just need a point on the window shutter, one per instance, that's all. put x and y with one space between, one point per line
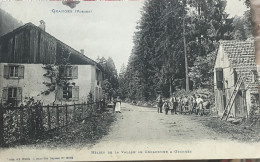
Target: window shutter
219 78
75 72
21 71
5 93
59 93
62 71
75 93
19 93
6 71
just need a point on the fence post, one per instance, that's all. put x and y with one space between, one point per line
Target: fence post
82 111
49 117
74 112
66 117
30 118
1 126
57 116
21 123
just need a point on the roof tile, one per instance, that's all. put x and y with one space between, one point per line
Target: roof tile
241 55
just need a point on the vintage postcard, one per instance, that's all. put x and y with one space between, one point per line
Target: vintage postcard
98 80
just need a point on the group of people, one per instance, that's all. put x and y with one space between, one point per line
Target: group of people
182 104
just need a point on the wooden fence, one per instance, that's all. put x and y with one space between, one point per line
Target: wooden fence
19 124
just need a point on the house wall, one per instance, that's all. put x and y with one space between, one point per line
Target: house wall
222 61
96 88
248 100
32 83
32 47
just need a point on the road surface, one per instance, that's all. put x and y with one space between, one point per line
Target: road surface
141 133
142 126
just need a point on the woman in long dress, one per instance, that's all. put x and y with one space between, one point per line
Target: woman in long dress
118 105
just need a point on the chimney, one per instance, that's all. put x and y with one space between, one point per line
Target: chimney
82 51
42 25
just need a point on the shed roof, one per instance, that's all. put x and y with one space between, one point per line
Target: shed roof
241 55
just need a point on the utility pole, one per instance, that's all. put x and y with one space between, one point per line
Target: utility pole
185 56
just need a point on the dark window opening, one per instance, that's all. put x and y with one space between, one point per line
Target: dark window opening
235 77
219 78
12 96
67 92
69 72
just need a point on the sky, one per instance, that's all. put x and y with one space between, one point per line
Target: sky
106 30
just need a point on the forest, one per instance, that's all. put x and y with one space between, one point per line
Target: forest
7 23
157 61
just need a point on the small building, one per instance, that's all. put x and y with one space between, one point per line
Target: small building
235 66
35 64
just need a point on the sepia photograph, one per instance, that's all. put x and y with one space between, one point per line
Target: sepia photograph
98 80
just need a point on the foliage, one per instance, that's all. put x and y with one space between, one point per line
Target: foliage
254 110
110 77
202 72
242 27
122 90
55 72
32 126
90 98
30 122
51 73
156 64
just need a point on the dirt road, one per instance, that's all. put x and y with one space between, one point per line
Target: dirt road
141 133
141 125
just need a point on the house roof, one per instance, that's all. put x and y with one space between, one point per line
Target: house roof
241 55
81 59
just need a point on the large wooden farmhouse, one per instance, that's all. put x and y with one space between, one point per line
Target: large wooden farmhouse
235 80
25 55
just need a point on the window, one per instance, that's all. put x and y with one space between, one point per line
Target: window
70 72
67 92
13 71
12 95
98 77
219 78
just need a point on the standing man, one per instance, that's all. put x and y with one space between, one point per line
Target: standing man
174 104
114 102
193 103
159 103
185 104
199 104
166 106
103 103
180 104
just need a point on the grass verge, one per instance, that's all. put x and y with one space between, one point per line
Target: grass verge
237 132
78 135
